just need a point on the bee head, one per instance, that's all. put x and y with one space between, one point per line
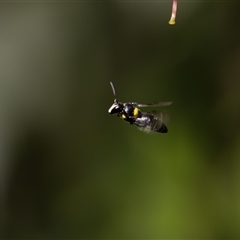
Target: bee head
117 106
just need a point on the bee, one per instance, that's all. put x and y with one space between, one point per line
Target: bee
145 121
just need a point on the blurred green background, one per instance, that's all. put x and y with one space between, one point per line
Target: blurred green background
68 169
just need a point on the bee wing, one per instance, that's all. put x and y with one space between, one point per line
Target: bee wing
153 122
146 129
144 123
162 115
158 104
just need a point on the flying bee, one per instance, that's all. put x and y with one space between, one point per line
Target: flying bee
145 121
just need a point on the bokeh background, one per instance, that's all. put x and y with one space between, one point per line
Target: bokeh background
68 169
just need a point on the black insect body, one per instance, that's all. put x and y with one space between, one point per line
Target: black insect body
147 122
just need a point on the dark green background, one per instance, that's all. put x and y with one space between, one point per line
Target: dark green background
68 169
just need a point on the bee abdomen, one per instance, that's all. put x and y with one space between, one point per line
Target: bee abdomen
162 129
148 122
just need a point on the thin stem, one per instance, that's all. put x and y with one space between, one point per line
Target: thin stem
174 13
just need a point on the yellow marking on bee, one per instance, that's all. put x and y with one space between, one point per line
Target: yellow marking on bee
135 112
123 116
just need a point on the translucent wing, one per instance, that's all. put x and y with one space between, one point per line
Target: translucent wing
159 104
162 115
153 122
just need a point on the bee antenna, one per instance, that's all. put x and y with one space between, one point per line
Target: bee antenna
113 89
